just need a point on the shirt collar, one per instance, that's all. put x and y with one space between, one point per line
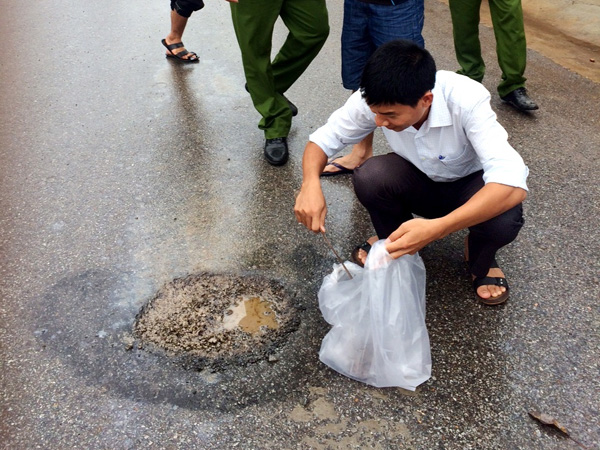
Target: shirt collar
439 114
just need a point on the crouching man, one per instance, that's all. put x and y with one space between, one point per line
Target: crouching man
451 163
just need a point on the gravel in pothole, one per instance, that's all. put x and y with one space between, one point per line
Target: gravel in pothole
216 316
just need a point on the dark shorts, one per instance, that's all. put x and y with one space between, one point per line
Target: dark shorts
185 8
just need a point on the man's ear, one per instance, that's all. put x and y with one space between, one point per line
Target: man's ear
427 99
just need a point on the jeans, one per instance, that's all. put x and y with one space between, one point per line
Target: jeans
367 26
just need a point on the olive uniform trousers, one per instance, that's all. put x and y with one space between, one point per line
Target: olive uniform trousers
511 47
254 21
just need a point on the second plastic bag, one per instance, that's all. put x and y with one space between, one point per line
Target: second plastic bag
379 336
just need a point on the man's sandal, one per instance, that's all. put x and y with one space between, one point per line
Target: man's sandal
193 58
487 281
496 281
354 255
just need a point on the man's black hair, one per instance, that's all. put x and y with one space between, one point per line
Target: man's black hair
398 72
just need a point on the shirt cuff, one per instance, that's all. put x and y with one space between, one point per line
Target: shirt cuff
515 176
323 137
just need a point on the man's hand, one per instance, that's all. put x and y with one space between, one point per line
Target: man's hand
310 208
412 236
490 201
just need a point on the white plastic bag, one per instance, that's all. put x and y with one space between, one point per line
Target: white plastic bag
379 335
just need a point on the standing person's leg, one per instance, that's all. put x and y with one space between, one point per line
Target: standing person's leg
308 25
404 20
181 10
465 30
357 47
356 43
511 49
366 27
511 46
253 22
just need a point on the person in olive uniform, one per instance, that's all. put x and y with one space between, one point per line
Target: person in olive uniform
511 48
267 80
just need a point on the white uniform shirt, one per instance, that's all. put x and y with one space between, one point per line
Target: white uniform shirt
460 136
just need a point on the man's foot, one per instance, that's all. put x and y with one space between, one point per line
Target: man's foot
347 162
340 170
492 289
359 254
520 100
177 50
276 151
495 293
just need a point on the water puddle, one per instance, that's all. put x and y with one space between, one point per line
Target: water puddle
250 315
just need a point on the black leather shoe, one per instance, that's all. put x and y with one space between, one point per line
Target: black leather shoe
293 107
276 151
520 100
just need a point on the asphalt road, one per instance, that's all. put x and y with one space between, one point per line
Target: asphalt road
121 171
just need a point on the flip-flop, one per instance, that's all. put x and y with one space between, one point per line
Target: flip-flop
342 170
180 56
354 255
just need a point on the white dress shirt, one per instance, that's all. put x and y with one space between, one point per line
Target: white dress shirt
460 136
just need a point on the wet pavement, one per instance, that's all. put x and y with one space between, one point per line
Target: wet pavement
122 171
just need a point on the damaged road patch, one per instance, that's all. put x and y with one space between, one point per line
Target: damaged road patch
100 340
216 320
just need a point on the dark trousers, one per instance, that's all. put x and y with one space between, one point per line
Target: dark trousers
392 190
367 26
